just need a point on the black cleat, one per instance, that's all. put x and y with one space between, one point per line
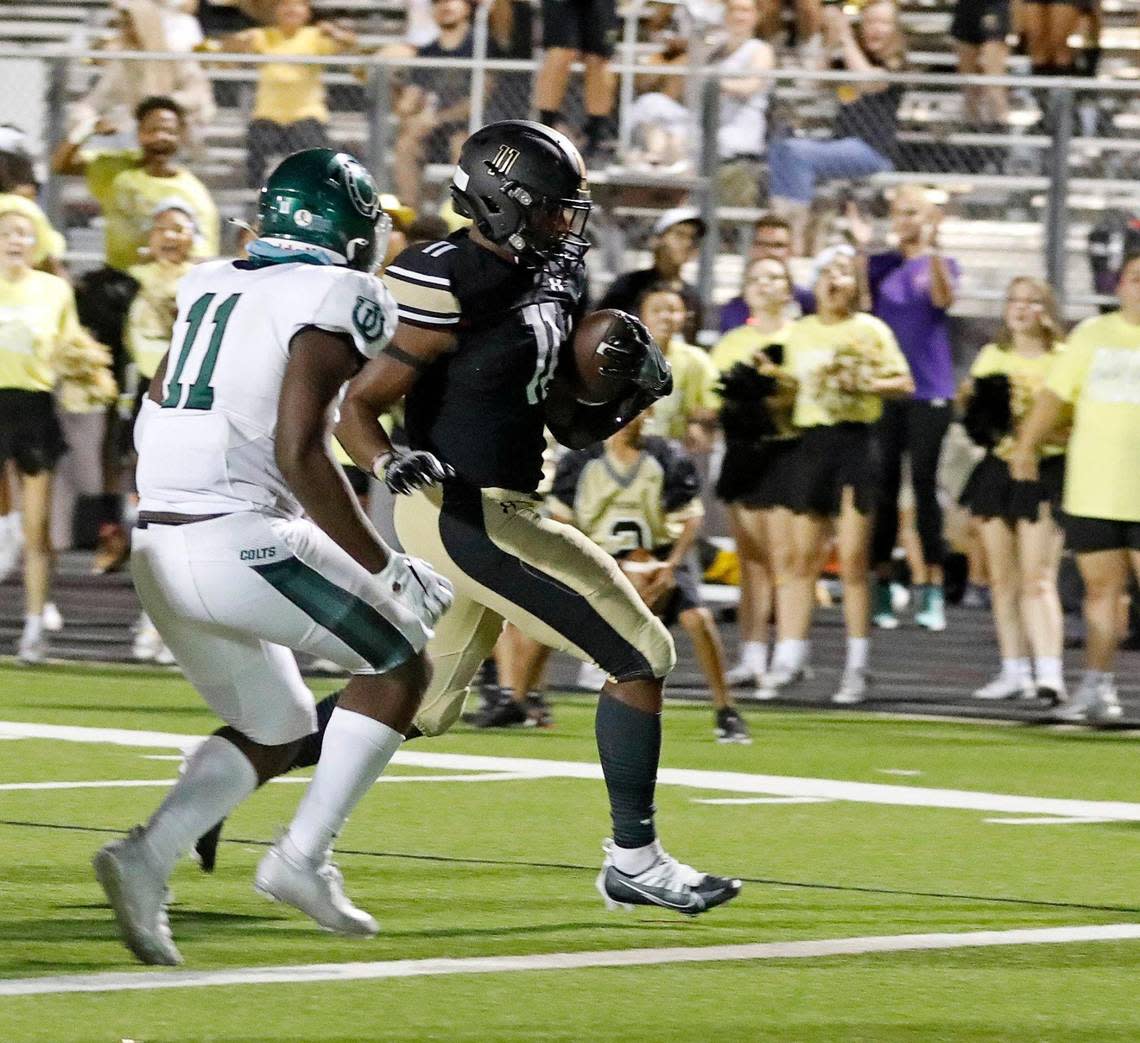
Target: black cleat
667 883
206 847
730 727
538 712
503 715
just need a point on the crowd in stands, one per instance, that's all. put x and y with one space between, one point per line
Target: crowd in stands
824 408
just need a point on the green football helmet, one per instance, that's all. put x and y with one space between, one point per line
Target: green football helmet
326 198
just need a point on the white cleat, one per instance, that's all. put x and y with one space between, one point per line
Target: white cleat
147 643
666 883
32 649
742 674
317 889
852 688
137 893
1003 687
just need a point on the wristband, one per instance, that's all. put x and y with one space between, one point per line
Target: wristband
380 463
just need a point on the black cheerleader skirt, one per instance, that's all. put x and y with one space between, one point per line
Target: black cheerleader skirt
30 434
758 475
991 492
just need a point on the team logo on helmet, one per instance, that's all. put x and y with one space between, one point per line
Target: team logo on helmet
505 159
361 190
303 218
368 318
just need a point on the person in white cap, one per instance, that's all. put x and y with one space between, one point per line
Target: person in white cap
676 239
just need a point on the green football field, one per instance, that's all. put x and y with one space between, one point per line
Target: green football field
991 870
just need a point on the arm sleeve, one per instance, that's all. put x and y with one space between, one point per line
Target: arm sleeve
421 286
360 306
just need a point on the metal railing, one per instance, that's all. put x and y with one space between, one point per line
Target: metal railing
1069 154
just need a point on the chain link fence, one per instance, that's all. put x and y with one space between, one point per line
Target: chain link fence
1022 197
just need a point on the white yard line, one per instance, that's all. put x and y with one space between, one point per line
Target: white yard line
1050 821
564 961
724 781
486 776
758 800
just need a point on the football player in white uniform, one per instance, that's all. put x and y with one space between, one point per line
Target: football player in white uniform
233 447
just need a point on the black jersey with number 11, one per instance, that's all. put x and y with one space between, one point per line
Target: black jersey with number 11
480 408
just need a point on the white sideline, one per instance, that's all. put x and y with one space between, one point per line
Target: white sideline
724 781
485 776
563 961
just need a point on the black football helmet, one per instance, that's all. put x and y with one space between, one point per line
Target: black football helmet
524 185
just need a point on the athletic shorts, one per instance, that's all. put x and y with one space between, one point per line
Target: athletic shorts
509 563
830 459
1088 535
30 435
977 22
232 595
589 26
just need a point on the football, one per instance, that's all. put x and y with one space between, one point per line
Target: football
594 388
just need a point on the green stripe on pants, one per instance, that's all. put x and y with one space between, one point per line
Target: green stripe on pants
353 621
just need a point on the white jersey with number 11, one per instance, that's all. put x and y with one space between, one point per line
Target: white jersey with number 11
207 446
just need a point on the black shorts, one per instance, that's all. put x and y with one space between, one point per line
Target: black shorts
830 459
990 492
1088 535
759 476
589 26
30 434
980 21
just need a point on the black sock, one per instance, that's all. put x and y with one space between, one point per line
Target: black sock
309 751
629 746
597 129
548 116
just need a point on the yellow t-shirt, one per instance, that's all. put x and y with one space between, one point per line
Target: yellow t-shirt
150 320
741 343
694 388
129 196
1099 374
812 344
36 312
289 93
49 243
1027 376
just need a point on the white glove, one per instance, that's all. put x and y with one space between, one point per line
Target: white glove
416 586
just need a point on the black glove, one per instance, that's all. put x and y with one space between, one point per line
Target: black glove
404 473
632 354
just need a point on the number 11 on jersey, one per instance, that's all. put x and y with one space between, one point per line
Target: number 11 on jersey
201 394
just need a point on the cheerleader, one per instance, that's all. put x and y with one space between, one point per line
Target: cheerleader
37 314
755 473
1018 520
1098 376
845 363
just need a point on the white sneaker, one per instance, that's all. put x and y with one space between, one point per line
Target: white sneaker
852 688
33 645
164 657
317 889
740 675
53 620
762 693
1053 693
147 643
1093 701
591 677
137 893
1005 687
780 677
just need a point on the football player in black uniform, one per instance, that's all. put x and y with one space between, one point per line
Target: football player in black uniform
483 316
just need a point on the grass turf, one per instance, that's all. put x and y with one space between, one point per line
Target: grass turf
496 868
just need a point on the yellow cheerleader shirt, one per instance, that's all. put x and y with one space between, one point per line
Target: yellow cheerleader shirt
812 345
694 389
742 343
129 196
1099 374
36 312
150 321
289 93
1027 376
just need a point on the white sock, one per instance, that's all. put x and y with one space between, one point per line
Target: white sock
356 750
217 778
858 649
33 627
1098 677
634 860
1048 669
1016 669
754 654
794 655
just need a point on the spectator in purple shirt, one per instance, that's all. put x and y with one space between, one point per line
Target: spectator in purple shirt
771 241
912 287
